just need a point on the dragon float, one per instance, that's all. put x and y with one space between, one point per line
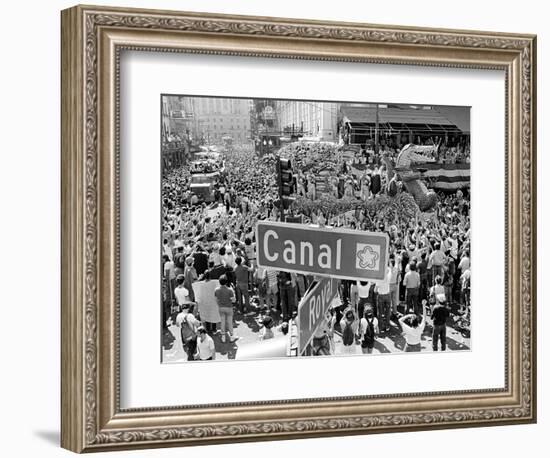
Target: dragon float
408 171
406 196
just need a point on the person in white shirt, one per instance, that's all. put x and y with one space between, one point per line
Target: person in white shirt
363 296
436 261
181 292
413 329
465 287
228 258
167 249
214 256
384 301
438 288
453 245
394 284
464 264
206 350
188 325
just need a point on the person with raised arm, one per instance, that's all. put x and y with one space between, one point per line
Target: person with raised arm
413 329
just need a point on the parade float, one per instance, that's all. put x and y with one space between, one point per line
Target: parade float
337 173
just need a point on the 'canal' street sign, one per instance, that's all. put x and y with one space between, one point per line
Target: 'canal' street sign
313 307
311 250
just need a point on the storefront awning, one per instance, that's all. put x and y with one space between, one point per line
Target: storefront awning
396 119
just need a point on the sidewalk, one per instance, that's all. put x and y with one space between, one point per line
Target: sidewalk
393 342
247 329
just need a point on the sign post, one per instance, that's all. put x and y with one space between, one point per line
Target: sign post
330 254
312 250
312 309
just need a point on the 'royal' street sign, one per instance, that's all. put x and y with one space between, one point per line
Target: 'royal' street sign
313 307
312 250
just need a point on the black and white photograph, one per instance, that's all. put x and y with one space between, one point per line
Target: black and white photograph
304 228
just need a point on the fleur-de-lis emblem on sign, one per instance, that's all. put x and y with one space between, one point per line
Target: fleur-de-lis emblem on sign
367 257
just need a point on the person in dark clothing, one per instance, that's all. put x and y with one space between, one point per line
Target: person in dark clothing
449 276
375 184
201 260
241 273
439 317
179 260
404 262
423 272
287 293
215 271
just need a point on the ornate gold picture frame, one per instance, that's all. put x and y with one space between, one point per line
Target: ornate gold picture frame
92 40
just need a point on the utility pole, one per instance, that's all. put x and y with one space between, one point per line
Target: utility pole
376 134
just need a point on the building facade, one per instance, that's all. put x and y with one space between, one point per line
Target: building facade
177 117
216 118
206 119
309 119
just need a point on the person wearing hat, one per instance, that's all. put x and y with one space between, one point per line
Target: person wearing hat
439 312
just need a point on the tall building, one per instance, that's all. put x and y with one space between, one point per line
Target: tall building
177 116
216 118
311 119
206 119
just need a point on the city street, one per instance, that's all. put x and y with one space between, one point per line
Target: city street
343 203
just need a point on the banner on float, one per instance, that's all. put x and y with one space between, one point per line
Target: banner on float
447 176
438 176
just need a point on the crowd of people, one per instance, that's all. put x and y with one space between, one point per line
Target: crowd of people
210 270
451 150
446 153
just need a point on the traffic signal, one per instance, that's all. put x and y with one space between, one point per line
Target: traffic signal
286 178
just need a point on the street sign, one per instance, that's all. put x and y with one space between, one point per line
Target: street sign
333 252
313 307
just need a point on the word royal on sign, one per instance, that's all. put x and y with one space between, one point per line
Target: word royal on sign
334 252
313 307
